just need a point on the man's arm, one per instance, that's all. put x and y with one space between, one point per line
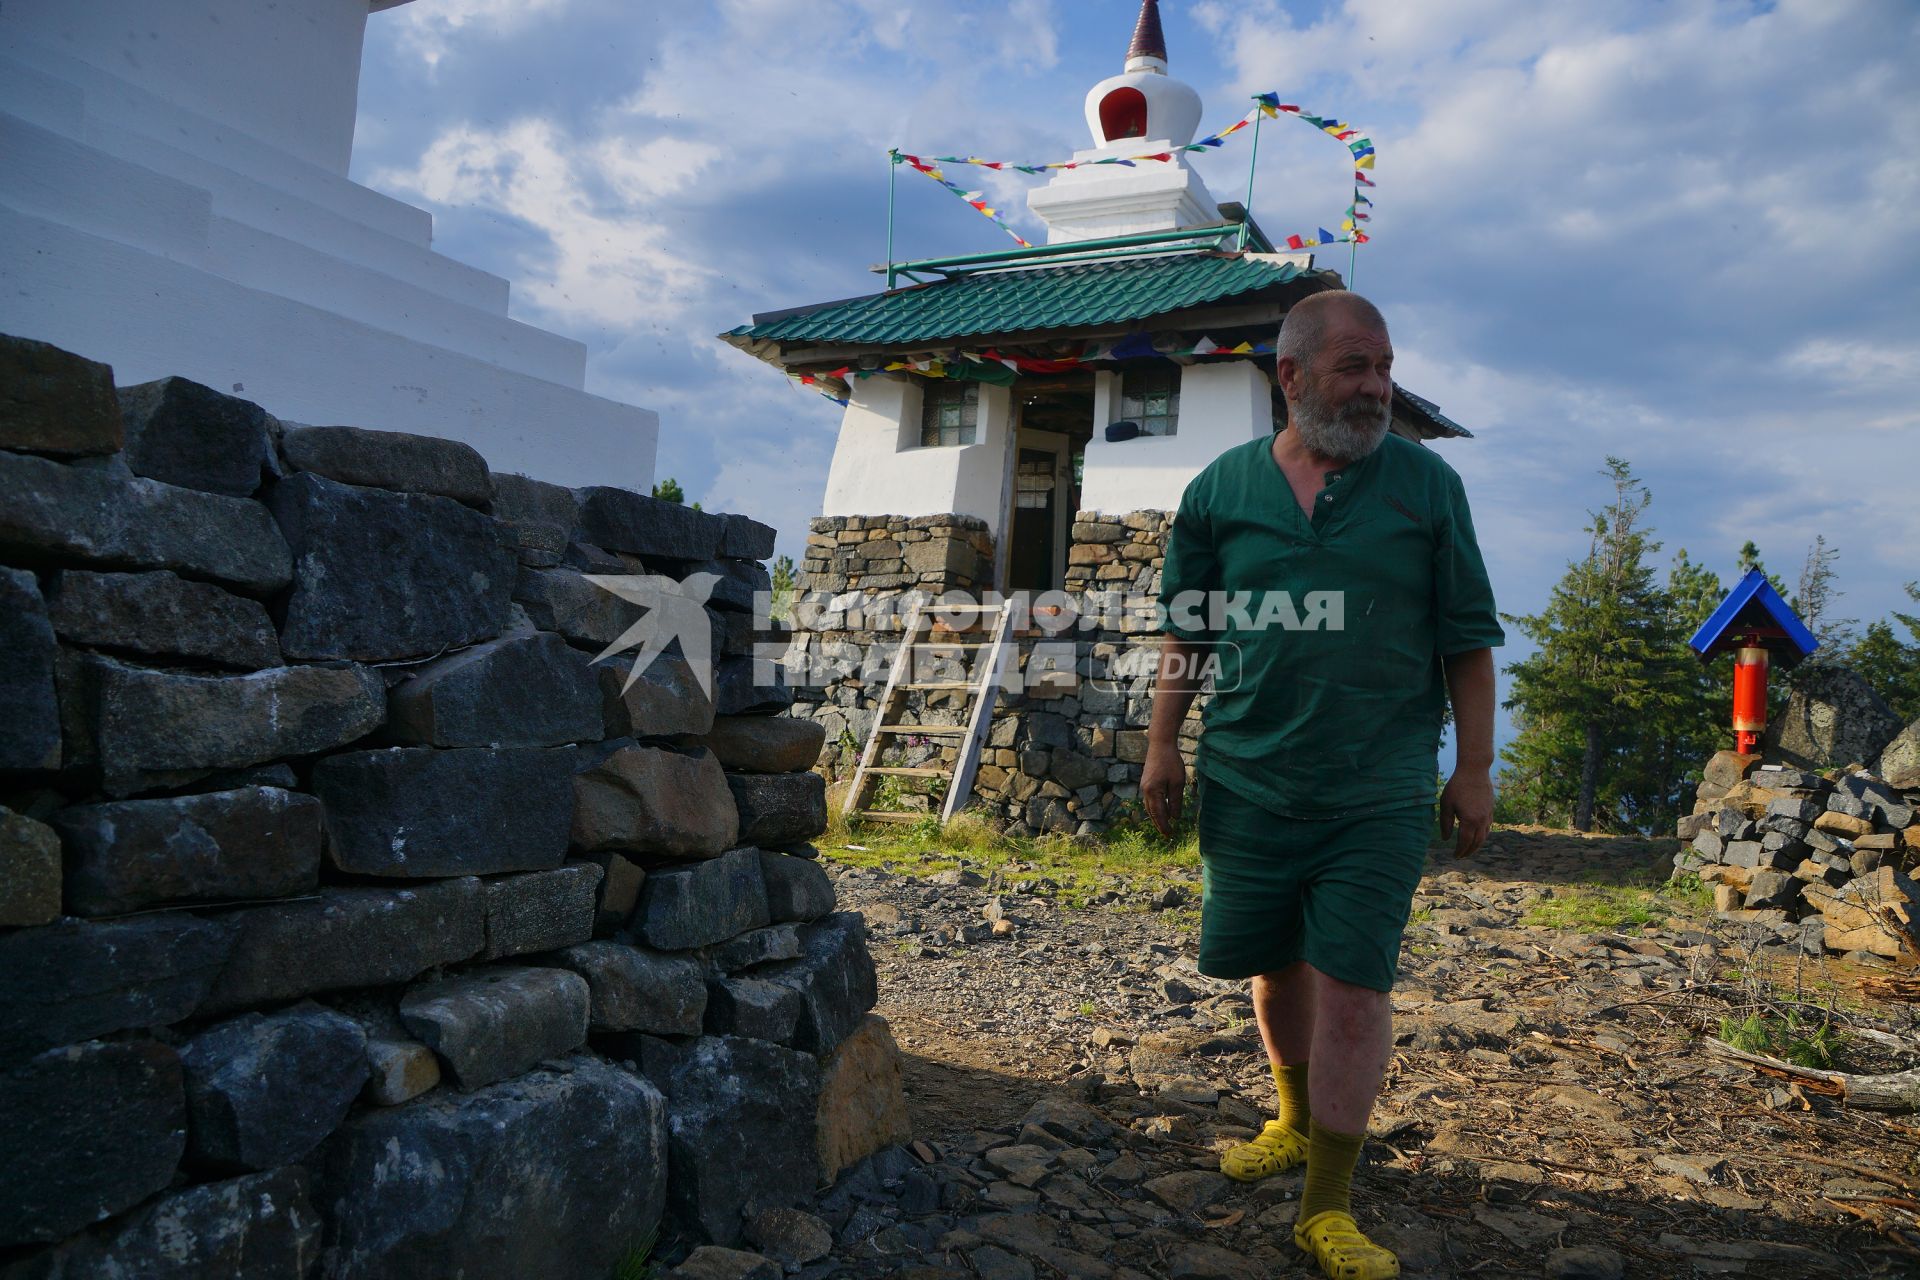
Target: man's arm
1468 798
1163 780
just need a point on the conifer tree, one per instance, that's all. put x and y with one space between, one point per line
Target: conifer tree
1892 664
1608 673
784 583
1816 597
1750 559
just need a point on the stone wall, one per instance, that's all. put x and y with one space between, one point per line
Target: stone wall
1066 749
897 553
354 919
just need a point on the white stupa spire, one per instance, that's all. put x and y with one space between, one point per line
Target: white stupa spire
1142 110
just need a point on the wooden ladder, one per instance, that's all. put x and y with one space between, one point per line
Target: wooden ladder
983 692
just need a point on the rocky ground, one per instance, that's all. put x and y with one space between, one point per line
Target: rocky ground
1552 1108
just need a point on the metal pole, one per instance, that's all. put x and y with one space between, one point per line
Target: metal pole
893 164
1353 256
1212 231
1253 159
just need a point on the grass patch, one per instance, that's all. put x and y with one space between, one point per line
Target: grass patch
1689 891
637 1263
1598 907
1130 857
1633 901
1790 1038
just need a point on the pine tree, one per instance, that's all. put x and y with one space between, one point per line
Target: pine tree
669 490
781 606
1608 673
1890 664
1816 596
1750 559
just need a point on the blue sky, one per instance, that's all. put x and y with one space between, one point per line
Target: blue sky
1683 232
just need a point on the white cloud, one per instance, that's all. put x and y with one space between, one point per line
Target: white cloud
1866 365
432 29
609 260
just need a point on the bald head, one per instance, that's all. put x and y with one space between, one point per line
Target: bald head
1304 330
1335 368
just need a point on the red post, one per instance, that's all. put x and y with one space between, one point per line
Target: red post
1749 697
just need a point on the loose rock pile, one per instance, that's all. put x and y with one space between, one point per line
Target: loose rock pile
1821 857
355 921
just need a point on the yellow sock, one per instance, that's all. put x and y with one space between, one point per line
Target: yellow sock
1330 1160
1295 1110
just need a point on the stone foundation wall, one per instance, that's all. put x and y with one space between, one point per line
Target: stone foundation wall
897 553
1065 751
355 921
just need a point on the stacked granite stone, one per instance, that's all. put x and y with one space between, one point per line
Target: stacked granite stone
1065 752
1118 553
355 920
1823 856
894 553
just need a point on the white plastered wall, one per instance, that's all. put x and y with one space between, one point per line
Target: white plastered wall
881 468
1221 405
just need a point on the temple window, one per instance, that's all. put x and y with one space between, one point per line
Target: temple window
1151 397
949 413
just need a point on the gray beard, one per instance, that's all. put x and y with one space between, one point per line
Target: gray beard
1347 434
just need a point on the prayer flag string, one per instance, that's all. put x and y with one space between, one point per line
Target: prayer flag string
1358 143
975 198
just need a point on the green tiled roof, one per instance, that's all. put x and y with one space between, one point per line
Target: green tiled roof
1075 295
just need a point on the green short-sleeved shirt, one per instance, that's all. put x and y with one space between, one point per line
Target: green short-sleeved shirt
1330 692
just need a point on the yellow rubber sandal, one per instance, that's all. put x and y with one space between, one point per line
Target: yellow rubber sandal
1276 1149
1343 1253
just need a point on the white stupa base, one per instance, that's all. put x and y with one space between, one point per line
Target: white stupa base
151 317
1118 200
168 220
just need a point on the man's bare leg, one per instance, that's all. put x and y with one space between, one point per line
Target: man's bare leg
1283 1008
1352 1042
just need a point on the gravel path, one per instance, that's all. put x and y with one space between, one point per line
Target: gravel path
1551 1109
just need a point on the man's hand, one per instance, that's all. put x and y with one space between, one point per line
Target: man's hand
1163 781
1468 802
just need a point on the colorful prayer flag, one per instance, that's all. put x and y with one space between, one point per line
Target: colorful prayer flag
1359 145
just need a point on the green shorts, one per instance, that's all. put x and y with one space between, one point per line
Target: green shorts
1334 892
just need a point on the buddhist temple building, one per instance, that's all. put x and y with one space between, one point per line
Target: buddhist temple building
1026 421
1012 370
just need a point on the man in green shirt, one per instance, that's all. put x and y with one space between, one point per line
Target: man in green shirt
1328 579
